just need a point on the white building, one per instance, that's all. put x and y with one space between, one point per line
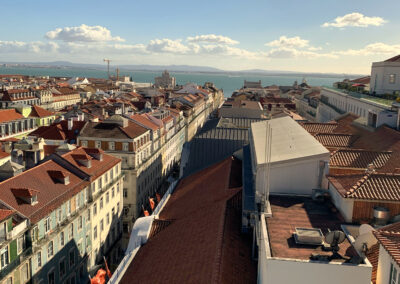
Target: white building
373 111
295 163
385 76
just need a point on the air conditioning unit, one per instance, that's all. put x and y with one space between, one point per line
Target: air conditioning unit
308 236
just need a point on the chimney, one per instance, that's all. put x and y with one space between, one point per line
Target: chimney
70 123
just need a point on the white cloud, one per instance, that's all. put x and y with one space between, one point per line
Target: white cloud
20 46
167 46
212 38
355 20
288 42
287 52
83 33
372 49
294 47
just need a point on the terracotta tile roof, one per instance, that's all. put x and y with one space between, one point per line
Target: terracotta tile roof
3 154
24 192
389 238
202 242
106 130
393 59
316 127
143 120
7 115
97 167
50 193
362 80
376 186
60 131
5 213
291 212
37 111
336 140
49 149
360 159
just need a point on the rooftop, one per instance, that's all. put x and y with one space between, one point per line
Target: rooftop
106 130
201 242
289 141
359 159
389 238
375 186
289 213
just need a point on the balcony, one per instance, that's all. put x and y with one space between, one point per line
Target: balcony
12 265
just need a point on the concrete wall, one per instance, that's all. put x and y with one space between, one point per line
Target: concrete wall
345 206
287 271
384 265
292 177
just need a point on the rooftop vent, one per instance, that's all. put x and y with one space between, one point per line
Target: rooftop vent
60 176
83 160
95 153
26 194
308 236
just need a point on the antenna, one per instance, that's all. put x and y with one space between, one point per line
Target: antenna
334 238
108 66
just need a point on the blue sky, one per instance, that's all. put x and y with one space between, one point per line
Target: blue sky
298 35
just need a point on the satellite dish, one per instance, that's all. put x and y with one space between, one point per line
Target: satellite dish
365 228
335 237
365 241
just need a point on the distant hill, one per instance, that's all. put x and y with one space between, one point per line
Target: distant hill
179 68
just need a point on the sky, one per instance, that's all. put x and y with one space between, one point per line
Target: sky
327 36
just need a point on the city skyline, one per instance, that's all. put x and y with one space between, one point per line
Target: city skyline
337 37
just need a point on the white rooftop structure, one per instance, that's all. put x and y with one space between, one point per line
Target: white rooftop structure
286 159
290 141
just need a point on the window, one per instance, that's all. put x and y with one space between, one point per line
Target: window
126 228
39 259
95 232
51 278
80 223
50 251
125 192
84 143
98 144
69 207
113 212
35 233
80 248
393 274
25 273
62 239
117 207
4 256
392 78
101 203
107 197
93 185
125 146
87 241
101 225
62 267
100 183
117 187
111 145
71 258
9 281
95 209
20 244
108 218
47 225
112 192
88 215
126 211
71 231
59 215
